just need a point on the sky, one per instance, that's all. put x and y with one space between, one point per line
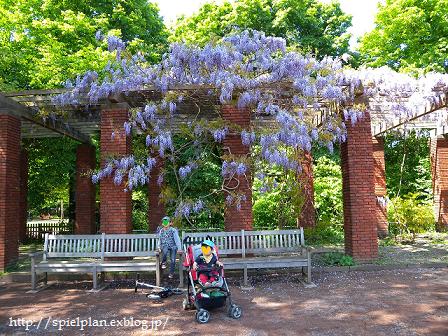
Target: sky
363 12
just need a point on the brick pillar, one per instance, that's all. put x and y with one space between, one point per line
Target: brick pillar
10 214
242 219
439 167
115 204
307 218
156 209
380 186
85 190
23 194
360 221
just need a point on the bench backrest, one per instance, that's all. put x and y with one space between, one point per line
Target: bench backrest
242 242
143 245
229 242
130 245
273 241
100 245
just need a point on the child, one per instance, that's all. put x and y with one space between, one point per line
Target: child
207 258
169 242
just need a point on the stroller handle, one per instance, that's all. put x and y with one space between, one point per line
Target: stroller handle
191 241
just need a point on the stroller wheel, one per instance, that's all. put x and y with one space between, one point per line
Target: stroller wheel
235 311
185 304
202 316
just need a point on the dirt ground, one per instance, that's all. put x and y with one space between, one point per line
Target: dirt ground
397 302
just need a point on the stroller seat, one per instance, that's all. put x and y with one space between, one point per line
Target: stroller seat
203 298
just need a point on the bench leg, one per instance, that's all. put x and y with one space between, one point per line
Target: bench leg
157 270
308 273
33 279
181 272
95 278
45 278
245 277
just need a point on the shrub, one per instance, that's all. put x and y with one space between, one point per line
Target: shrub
328 190
410 215
325 234
337 259
140 210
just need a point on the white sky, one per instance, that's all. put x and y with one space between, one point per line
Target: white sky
363 12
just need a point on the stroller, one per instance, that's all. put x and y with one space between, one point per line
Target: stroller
204 298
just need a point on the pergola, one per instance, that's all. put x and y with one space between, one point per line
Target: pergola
362 157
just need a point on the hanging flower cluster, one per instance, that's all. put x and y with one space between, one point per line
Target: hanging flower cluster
250 70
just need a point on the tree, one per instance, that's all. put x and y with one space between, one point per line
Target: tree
51 165
408 168
409 35
317 28
42 43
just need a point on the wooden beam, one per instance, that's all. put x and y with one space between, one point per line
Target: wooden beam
438 103
10 106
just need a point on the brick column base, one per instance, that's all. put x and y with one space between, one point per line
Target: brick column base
156 209
360 220
307 218
243 219
380 186
439 167
85 190
10 214
115 204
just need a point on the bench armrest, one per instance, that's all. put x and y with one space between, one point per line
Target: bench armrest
35 255
307 250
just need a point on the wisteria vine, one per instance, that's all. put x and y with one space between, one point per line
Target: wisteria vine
282 87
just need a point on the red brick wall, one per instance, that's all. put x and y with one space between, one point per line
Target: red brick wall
10 214
115 204
439 167
85 190
307 218
380 185
23 194
156 209
234 219
360 220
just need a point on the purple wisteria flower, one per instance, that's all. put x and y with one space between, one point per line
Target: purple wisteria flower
247 69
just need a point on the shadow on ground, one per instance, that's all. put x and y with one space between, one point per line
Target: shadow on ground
393 302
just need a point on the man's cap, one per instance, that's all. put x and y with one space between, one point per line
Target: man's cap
165 220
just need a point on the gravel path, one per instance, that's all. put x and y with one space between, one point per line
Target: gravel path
396 302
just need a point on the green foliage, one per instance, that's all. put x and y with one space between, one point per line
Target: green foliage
337 259
273 210
281 205
410 35
308 24
409 215
206 180
140 209
328 191
413 175
325 234
51 165
42 43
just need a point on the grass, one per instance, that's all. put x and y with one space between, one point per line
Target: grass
24 262
335 259
430 237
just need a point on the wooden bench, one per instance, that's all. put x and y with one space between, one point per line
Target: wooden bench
257 250
96 254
